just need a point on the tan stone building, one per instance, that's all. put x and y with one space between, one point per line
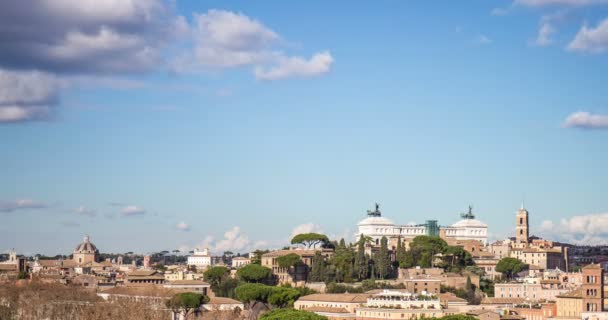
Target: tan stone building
293 275
347 301
484 314
593 288
144 278
543 258
85 252
570 304
544 312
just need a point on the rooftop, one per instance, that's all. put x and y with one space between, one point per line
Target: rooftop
337 297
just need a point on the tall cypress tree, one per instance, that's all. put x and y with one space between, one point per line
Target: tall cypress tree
382 259
361 266
317 273
401 254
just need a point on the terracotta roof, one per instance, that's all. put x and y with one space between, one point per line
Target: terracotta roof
8 267
592 266
326 309
85 246
147 291
221 300
337 297
142 273
574 294
494 300
58 263
450 297
188 283
477 312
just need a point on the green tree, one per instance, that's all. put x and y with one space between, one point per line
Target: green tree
253 293
254 273
291 314
257 256
214 276
186 302
487 287
309 240
401 253
227 287
456 258
289 260
361 267
342 264
408 260
317 273
382 260
509 267
424 249
283 297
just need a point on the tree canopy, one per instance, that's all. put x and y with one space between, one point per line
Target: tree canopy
254 273
289 260
509 267
291 314
253 292
185 302
310 240
424 248
214 276
283 297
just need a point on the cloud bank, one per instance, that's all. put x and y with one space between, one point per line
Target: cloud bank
21 204
591 40
586 120
50 45
591 229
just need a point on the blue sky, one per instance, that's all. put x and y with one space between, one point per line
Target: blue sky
157 125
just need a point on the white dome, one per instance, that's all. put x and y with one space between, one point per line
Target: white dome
468 223
376 221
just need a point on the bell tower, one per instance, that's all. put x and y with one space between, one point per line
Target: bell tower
521 225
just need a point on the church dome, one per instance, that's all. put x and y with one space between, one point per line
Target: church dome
86 246
469 223
376 221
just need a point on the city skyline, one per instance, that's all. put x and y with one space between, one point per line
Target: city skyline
157 125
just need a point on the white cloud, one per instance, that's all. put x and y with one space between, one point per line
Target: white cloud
306 228
586 120
233 31
573 3
224 39
183 226
234 240
588 229
545 32
483 39
21 204
287 67
591 40
26 95
84 211
132 210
